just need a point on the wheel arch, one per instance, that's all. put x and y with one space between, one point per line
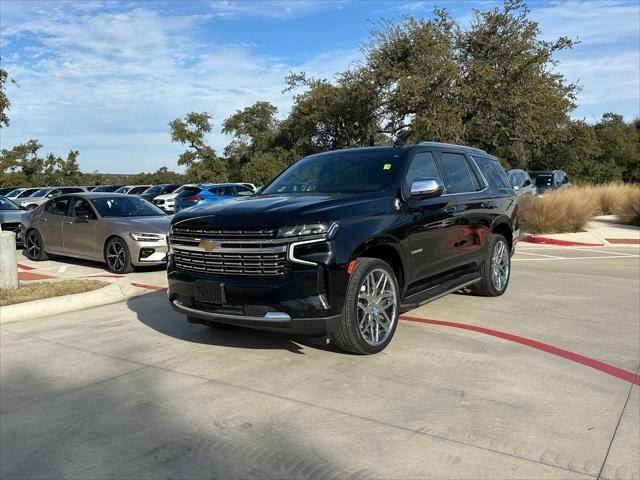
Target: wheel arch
503 228
388 252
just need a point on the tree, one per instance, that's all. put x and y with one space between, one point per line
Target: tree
203 165
264 167
5 104
254 130
620 144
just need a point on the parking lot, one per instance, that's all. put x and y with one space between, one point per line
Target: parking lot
539 383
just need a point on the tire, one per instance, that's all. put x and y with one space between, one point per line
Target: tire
30 208
361 328
117 256
34 246
488 285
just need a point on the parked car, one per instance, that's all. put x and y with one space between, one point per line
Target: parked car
371 233
524 187
10 217
549 180
167 201
107 188
132 189
152 192
5 190
23 193
123 231
38 198
208 193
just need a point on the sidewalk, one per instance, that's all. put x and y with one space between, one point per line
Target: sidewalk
602 230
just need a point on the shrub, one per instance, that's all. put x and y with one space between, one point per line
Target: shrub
567 210
628 210
608 197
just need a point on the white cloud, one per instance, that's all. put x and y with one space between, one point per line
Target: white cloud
272 9
107 82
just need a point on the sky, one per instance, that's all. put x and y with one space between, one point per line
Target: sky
106 77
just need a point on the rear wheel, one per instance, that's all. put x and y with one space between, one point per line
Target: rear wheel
34 246
495 270
117 256
370 314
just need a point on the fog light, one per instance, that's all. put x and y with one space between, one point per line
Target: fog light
146 252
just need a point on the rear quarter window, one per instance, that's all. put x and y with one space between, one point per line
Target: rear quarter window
492 171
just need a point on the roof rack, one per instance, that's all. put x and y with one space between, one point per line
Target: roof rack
451 145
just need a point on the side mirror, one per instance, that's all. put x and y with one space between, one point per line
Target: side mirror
423 187
84 217
516 188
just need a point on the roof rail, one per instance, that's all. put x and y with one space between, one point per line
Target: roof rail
428 143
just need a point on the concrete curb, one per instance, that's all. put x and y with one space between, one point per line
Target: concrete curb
111 293
528 238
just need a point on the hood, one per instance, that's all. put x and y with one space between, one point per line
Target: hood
11 216
277 210
32 200
159 224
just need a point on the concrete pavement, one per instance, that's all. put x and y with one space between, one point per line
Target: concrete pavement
131 390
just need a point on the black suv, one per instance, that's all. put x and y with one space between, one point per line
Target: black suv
341 242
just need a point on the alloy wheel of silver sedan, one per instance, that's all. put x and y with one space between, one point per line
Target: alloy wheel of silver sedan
377 307
116 256
500 265
33 244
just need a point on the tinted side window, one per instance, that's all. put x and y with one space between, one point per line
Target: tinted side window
493 172
458 177
58 206
223 191
422 165
71 190
80 206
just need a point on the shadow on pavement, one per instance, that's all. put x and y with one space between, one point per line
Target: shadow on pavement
79 262
154 311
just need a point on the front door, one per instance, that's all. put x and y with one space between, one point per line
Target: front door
432 229
50 223
79 229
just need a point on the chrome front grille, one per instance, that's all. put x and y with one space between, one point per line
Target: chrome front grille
246 232
232 264
201 250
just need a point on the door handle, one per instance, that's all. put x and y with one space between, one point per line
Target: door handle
43 219
69 223
450 209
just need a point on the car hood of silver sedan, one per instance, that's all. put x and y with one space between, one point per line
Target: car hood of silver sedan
159 224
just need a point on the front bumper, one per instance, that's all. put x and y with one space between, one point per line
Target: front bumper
148 253
297 302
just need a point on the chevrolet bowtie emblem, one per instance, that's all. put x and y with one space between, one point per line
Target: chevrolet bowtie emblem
208 245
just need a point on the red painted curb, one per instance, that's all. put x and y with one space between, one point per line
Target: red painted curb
624 241
25 267
553 241
149 287
574 357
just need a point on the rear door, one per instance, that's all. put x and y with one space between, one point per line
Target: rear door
78 229
50 223
472 206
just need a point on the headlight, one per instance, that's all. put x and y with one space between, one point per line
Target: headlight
327 229
146 237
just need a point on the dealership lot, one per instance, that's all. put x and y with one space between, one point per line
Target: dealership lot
131 390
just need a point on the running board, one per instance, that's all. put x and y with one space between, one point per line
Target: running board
418 299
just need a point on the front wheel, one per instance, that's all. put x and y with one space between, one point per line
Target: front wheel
117 256
495 270
30 208
370 314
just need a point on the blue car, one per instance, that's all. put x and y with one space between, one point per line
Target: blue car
209 192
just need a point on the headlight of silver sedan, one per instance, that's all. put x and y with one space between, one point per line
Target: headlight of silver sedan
147 237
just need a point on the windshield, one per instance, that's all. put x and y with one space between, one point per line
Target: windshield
339 172
42 192
543 181
122 190
7 204
126 207
28 192
15 193
104 188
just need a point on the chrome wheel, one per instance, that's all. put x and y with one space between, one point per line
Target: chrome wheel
377 307
116 255
33 244
500 266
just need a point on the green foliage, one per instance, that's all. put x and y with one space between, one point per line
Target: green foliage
203 165
262 168
5 104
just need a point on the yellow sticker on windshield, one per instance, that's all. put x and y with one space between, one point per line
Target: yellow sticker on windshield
387 166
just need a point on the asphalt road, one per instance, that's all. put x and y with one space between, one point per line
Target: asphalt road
133 391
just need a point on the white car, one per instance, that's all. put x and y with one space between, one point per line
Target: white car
167 201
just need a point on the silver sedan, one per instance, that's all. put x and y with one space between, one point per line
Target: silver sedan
120 230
